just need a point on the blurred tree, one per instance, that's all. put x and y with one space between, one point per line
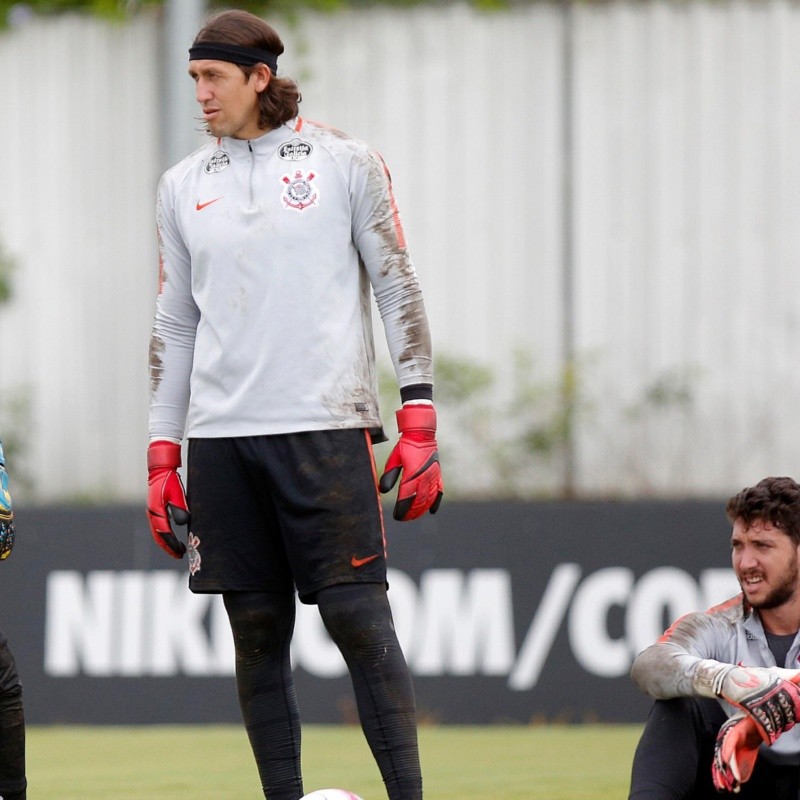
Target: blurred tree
119 9
503 444
15 402
6 266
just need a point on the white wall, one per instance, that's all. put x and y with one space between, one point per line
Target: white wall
686 185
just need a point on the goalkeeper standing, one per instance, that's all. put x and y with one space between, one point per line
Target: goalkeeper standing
271 238
12 720
725 680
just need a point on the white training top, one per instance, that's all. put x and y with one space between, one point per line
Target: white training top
268 249
729 633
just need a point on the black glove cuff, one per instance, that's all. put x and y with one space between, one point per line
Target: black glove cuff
417 391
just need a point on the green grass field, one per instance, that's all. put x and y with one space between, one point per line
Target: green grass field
586 762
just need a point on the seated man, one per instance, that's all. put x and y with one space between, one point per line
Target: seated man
724 680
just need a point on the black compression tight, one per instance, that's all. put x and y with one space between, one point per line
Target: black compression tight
673 758
262 626
12 746
359 620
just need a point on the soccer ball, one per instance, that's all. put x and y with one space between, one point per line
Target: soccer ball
331 794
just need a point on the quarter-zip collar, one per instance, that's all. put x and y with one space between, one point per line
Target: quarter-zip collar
248 152
261 146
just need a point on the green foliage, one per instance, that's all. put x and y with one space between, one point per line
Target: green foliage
674 389
6 268
536 427
661 419
15 402
286 8
547 409
514 438
119 9
109 9
15 426
292 6
460 381
515 442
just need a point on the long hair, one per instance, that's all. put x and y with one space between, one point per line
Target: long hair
279 102
775 500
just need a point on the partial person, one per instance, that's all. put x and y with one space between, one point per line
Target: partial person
13 783
272 238
725 680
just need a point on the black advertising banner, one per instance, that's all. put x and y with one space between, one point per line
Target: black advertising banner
507 612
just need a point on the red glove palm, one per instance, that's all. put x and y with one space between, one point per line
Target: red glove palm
416 456
166 500
735 753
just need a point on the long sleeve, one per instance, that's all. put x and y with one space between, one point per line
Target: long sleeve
174 326
380 240
665 669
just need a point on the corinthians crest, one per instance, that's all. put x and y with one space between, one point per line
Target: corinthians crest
193 549
299 192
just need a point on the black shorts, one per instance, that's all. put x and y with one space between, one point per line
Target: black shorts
275 513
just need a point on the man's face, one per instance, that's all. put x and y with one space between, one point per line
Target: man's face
766 562
228 99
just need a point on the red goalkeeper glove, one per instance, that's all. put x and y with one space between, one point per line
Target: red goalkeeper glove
416 456
166 500
735 753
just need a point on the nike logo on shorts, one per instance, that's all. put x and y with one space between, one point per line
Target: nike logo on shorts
360 562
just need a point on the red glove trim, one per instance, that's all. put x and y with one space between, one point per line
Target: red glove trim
163 455
416 417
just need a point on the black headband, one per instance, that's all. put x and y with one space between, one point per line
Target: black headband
234 53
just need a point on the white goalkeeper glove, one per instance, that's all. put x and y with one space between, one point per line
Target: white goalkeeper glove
769 695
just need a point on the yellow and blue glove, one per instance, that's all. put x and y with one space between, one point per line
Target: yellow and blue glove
6 511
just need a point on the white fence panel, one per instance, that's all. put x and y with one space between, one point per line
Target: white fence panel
688 256
465 108
686 251
76 216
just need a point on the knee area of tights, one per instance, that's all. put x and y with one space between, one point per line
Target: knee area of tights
11 698
255 626
357 632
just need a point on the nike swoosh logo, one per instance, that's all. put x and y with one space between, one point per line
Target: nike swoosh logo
359 562
200 206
